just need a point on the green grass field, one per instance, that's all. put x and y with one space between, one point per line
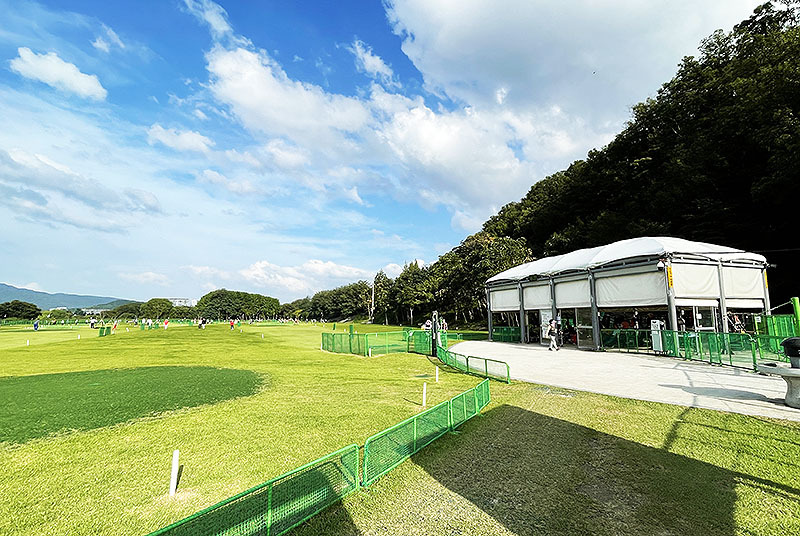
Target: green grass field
88 429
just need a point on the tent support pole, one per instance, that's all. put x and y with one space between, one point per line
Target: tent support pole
523 331
595 312
489 311
723 306
672 311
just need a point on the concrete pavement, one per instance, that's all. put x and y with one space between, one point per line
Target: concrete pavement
644 377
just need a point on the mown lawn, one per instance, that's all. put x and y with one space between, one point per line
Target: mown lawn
539 461
114 479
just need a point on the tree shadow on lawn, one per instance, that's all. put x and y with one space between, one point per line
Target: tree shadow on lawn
43 404
536 474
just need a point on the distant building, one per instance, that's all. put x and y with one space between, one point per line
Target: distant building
182 302
62 308
95 311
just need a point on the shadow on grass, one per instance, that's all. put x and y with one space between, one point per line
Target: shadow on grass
43 404
536 474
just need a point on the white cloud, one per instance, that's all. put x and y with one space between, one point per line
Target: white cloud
212 14
55 72
266 100
392 270
198 113
180 140
371 64
285 156
146 278
308 277
236 186
100 42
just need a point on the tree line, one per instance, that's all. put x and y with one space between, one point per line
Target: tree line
453 285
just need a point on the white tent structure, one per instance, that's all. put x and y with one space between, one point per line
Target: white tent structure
668 277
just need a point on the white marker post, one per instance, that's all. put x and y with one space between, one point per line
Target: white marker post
437 374
173 479
28 342
370 351
79 336
424 394
262 336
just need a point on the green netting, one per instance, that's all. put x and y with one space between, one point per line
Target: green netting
275 507
776 325
387 449
735 349
486 368
506 334
379 343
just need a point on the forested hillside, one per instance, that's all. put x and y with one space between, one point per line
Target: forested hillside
713 157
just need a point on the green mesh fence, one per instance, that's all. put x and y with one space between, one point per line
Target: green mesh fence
387 449
275 507
506 334
479 366
734 349
379 343
776 325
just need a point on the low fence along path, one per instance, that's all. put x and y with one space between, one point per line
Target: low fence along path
658 379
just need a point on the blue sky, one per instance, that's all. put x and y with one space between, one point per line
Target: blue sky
170 147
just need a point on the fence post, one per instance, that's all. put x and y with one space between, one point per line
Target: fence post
415 436
269 510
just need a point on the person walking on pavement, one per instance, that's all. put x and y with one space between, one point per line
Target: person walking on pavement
552 332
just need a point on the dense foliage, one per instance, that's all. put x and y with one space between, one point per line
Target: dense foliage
222 304
453 285
714 157
21 310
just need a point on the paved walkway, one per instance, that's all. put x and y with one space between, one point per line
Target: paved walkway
644 377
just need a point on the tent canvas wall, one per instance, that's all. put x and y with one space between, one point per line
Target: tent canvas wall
649 272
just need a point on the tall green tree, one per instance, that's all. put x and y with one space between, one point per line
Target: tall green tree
156 308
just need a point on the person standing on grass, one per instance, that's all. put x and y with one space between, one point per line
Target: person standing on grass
114 328
552 332
231 324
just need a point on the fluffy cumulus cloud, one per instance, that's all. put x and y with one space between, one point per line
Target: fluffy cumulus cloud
180 140
266 100
53 71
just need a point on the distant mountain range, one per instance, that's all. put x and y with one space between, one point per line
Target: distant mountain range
45 300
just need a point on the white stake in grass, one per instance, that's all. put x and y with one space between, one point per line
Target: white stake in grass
424 394
262 336
79 336
28 342
173 479
437 374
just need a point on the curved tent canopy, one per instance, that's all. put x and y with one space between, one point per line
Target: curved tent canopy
626 250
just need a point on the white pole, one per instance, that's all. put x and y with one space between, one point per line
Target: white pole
173 479
262 336
424 394
27 342
370 351
79 336
437 374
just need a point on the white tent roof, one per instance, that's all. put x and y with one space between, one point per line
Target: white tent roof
658 246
